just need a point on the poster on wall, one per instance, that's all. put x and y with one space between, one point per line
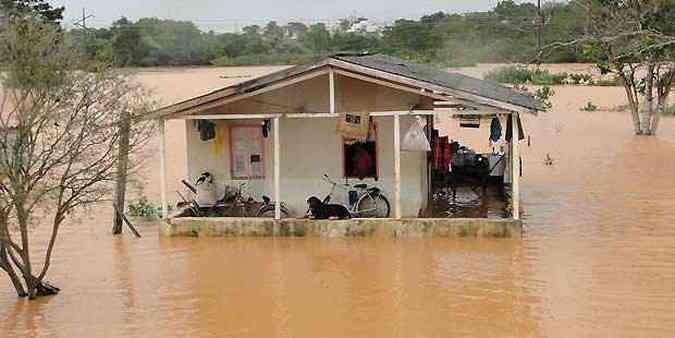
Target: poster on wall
247 152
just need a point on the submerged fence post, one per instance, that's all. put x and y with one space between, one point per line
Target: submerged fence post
162 167
122 167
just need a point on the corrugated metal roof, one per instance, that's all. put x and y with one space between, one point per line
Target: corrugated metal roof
416 72
439 77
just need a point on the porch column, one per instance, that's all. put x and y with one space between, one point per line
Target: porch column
162 167
515 167
277 170
397 166
331 90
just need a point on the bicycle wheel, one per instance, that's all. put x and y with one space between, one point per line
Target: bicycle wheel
269 212
373 206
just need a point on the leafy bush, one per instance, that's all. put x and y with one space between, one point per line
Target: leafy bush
669 111
518 74
590 107
545 78
510 74
266 59
606 83
544 94
143 208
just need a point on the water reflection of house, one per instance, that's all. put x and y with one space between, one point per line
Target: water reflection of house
279 130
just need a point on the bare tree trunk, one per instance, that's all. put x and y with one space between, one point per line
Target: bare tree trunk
634 107
122 164
663 88
656 118
6 265
25 267
646 118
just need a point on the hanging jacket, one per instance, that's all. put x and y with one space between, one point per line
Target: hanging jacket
207 130
495 130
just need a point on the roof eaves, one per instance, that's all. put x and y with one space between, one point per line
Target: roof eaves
236 89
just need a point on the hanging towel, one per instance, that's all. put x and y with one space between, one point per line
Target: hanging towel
495 130
509 129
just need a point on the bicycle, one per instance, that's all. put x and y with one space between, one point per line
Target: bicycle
365 201
233 204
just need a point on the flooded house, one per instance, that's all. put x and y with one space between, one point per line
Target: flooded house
342 124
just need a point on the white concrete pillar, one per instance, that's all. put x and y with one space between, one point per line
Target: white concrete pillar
162 167
331 88
515 167
397 166
277 170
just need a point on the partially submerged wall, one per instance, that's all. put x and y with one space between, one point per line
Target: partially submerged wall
405 228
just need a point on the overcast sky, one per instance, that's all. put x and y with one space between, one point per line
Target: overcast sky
228 15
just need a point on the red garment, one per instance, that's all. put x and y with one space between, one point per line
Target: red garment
362 164
447 156
442 154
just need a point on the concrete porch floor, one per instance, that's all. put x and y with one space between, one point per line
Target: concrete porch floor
386 228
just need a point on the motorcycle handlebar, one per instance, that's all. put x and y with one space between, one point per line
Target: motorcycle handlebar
189 186
327 179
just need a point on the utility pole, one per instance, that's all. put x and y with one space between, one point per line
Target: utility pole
540 25
83 22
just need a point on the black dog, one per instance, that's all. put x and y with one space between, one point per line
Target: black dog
320 210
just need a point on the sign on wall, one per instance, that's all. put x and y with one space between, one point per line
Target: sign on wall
247 152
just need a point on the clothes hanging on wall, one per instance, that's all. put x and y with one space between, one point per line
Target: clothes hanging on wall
442 153
495 130
372 130
509 129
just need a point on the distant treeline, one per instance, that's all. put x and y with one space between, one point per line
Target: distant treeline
508 33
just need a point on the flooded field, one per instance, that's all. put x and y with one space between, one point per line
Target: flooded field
597 258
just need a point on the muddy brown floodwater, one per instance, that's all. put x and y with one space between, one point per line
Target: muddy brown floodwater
597 260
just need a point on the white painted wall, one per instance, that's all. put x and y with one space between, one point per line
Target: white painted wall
310 148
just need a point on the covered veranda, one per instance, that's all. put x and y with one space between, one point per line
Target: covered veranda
314 96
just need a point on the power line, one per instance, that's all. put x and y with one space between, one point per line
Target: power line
83 21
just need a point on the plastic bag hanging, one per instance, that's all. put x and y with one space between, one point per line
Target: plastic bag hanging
415 139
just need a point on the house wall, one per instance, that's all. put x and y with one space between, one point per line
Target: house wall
309 148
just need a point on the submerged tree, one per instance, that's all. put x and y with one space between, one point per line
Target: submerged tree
635 40
58 141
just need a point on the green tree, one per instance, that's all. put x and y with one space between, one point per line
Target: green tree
317 38
170 42
635 40
415 39
296 30
273 35
42 8
127 44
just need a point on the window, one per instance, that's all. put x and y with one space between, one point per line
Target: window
247 159
360 160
